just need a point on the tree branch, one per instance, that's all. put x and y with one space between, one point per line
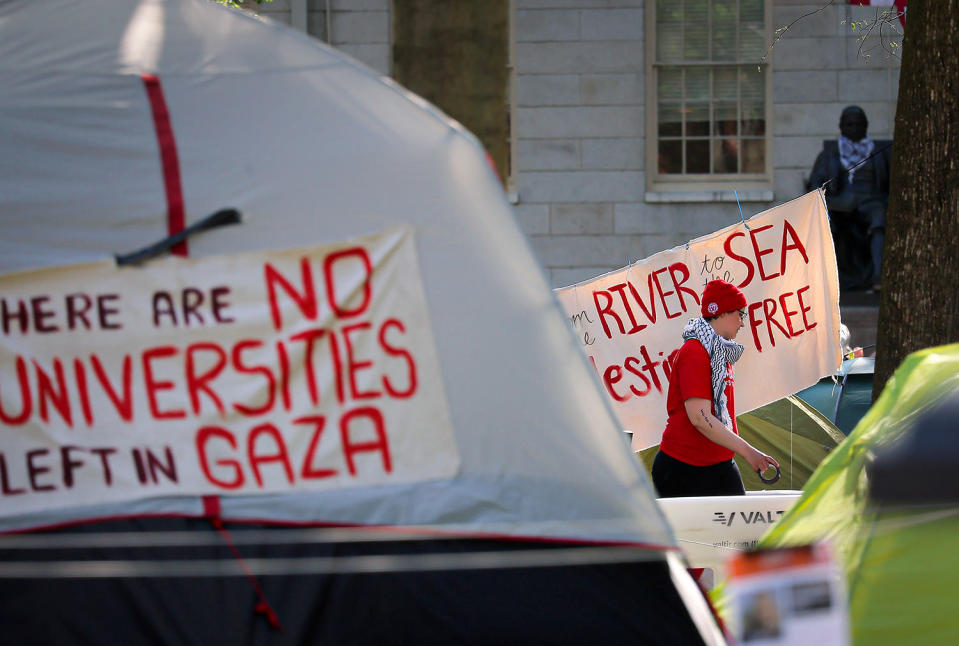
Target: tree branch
782 30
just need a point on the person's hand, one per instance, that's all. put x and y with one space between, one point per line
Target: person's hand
759 461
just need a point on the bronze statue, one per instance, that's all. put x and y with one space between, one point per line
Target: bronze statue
857 197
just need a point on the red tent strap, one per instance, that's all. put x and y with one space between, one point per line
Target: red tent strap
263 608
169 160
176 226
211 510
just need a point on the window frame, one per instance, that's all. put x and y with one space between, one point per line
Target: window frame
658 184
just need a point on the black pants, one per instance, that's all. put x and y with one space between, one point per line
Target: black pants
674 478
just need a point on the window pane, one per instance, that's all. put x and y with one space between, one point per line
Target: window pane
669 43
753 83
670 157
724 44
724 119
697 119
670 120
725 83
753 117
669 11
750 11
696 11
724 12
696 18
697 156
754 155
725 155
752 42
697 83
696 47
753 127
724 30
669 84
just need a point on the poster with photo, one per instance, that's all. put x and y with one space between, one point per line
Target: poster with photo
788 597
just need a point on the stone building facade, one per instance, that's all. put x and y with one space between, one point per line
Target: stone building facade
590 98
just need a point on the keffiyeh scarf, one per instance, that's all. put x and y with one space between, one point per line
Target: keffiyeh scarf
721 351
853 152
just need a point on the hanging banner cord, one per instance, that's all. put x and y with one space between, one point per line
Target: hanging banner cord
856 165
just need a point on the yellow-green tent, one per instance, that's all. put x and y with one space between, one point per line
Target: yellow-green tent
900 562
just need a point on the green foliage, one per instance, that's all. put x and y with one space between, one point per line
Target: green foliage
885 30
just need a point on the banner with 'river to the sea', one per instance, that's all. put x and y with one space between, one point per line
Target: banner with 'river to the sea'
629 321
244 373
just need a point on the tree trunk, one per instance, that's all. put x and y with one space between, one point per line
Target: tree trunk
919 307
455 54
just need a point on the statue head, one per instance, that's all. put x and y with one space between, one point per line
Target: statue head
853 123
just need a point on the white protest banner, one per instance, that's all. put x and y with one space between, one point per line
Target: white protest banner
631 320
236 374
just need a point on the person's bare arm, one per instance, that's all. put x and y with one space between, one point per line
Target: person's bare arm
700 414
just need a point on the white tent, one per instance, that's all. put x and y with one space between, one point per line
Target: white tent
123 122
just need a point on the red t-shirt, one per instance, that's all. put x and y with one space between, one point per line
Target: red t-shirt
690 376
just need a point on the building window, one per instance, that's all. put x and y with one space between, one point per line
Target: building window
709 94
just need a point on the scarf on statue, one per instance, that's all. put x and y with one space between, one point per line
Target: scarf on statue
721 351
854 152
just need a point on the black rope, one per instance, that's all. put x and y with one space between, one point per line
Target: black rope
221 218
856 165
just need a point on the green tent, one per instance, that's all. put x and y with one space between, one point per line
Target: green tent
790 430
845 396
900 561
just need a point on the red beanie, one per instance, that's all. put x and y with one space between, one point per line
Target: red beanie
720 297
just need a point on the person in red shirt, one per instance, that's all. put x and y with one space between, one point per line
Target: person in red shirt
695 456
